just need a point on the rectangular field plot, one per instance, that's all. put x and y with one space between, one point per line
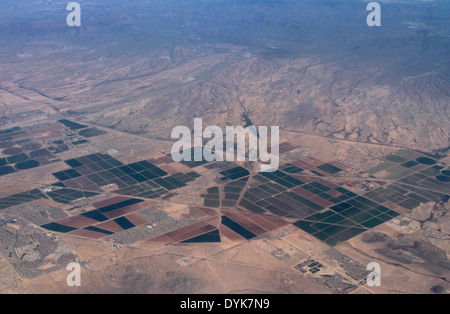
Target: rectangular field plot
290 168
234 173
237 228
143 178
192 233
20 198
435 185
23 149
407 196
346 220
209 237
65 196
406 164
113 215
72 125
192 163
231 193
297 197
329 168
320 167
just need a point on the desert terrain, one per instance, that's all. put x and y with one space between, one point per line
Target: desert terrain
86 174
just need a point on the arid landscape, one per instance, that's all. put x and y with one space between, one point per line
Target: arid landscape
86 174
